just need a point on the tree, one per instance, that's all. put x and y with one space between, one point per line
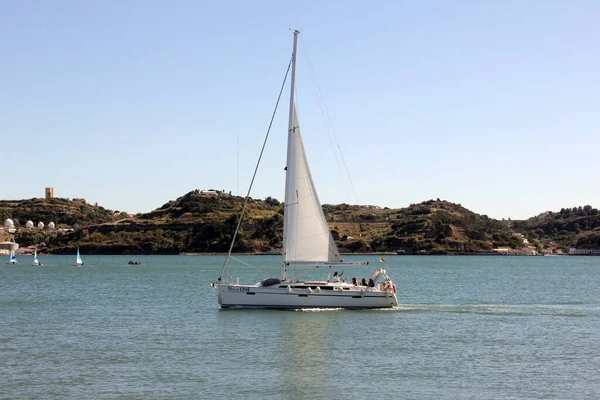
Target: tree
272 202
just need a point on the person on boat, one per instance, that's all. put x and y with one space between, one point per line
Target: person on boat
336 278
371 282
353 281
388 285
363 282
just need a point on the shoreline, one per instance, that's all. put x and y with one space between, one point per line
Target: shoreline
379 254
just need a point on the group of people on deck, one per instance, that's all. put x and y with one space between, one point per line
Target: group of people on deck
387 286
363 282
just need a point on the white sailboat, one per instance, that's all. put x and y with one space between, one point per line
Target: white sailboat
78 260
307 242
35 262
13 258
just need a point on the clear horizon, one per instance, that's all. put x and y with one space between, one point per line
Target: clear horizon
490 105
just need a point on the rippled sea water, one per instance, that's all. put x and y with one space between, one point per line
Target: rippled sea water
466 328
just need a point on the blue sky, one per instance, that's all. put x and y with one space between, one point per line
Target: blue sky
494 105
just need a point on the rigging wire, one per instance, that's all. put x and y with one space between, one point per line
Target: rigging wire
262 270
254 175
332 136
329 126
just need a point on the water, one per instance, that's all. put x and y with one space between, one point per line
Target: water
467 328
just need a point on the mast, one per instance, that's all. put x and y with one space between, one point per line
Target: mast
289 145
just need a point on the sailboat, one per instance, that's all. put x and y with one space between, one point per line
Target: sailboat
35 262
307 243
78 261
13 258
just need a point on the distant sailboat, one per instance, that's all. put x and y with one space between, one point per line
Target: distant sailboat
35 262
78 261
13 258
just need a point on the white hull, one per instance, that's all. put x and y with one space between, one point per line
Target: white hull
296 295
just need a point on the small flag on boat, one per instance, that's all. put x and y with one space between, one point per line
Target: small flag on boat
382 259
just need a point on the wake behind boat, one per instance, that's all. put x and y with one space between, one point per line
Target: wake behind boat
307 243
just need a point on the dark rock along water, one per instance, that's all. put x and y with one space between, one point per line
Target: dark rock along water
467 327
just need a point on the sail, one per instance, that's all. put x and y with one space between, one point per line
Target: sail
79 260
306 234
13 258
35 259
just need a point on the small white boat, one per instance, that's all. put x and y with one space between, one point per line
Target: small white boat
307 243
13 258
36 261
78 260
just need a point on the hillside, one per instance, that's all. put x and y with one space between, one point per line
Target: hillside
65 214
197 222
578 226
434 226
191 223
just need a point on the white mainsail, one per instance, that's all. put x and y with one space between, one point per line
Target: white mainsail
306 234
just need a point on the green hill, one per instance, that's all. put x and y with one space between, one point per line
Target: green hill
434 226
578 226
63 212
197 222
191 223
